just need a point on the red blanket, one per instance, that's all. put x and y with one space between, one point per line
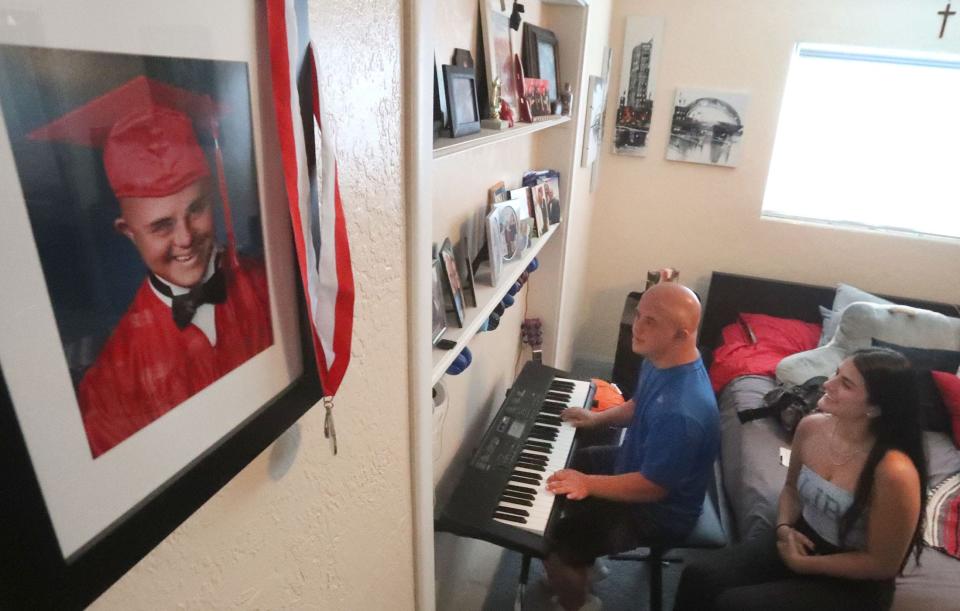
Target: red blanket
756 343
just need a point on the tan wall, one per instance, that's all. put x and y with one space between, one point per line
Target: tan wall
333 532
583 202
651 212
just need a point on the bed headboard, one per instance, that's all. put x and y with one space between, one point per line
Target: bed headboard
731 294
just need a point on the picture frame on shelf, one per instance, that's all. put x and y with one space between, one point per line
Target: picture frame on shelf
551 187
522 207
509 225
524 105
439 100
476 231
541 216
498 52
522 240
83 503
461 91
463 58
452 287
536 94
439 310
466 273
495 247
540 58
496 194
519 193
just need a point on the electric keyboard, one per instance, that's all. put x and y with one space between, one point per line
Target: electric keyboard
502 496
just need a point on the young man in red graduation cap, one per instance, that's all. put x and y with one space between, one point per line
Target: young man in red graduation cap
202 310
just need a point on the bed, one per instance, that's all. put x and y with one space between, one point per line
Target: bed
752 473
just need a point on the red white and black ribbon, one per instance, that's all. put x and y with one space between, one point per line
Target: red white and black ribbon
319 228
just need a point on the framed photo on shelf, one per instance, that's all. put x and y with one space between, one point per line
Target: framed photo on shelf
536 92
525 115
519 193
466 273
98 473
452 287
541 215
461 86
495 246
498 52
509 225
439 311
439 100
497 193
522 207
540 58
551 189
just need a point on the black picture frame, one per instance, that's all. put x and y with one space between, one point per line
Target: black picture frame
34 574
439 100
466 274
439 312
463 58
541 58
461 91
453 290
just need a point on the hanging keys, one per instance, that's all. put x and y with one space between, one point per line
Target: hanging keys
329 430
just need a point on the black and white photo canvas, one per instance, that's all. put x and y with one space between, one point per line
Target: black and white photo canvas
642 42
593 129
707 127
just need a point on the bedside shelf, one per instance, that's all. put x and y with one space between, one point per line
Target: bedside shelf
444 147
487 299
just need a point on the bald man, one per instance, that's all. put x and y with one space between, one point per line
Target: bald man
652 486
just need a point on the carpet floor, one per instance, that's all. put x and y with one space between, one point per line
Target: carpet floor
626 588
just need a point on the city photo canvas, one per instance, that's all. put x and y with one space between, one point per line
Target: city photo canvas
707 127
642 44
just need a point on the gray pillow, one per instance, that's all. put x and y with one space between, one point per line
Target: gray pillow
844 296
943 458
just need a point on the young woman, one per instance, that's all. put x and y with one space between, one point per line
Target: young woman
851 509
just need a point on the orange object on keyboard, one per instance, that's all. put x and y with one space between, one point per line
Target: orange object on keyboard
607 396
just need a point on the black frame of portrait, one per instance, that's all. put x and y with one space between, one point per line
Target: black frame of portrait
33 570
461 126
34 573
532 66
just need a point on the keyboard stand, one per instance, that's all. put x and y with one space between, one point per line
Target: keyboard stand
520 600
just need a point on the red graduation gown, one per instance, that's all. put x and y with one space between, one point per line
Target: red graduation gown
149 366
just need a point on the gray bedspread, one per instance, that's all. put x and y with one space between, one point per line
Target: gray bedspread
753 477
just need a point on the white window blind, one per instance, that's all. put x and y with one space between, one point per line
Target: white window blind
869 138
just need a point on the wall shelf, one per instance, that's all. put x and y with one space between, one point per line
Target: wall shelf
487 299
444 147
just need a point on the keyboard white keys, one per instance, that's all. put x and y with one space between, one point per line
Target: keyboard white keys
501 496
526 503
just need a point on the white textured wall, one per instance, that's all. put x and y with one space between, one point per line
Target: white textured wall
651 212
333 532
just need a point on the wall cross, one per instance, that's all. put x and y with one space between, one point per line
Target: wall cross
947 13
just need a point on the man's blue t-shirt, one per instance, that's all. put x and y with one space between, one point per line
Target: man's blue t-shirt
673 440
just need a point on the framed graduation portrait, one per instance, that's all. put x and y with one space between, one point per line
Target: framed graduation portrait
152 347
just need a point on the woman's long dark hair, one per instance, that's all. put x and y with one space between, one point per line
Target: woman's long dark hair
892 387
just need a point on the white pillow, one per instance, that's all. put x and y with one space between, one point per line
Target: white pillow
844 296
858 324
